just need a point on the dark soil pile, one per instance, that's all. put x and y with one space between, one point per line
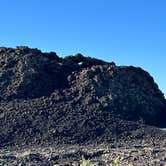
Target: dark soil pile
76 99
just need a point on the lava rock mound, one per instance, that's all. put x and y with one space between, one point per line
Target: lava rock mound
76 99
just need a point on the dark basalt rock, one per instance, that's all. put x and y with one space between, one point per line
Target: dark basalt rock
76 99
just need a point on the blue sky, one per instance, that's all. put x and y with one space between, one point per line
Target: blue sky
129 32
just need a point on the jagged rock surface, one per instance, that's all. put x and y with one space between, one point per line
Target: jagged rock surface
76 99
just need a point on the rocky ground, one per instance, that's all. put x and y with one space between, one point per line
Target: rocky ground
142 154
54 110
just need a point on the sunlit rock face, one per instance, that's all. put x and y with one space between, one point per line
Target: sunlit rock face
74 99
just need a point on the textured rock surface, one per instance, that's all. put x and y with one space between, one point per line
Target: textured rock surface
100 155
76 99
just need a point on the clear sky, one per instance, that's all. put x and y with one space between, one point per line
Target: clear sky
129 32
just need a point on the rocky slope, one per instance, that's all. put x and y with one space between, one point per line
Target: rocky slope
45 99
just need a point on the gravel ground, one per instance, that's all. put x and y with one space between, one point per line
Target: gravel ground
103 154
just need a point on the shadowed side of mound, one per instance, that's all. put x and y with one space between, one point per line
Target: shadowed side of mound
29 73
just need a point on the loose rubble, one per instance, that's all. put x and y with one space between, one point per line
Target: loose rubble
47 100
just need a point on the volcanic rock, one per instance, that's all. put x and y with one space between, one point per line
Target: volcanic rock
76 99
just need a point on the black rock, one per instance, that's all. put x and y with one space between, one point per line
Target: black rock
76 99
